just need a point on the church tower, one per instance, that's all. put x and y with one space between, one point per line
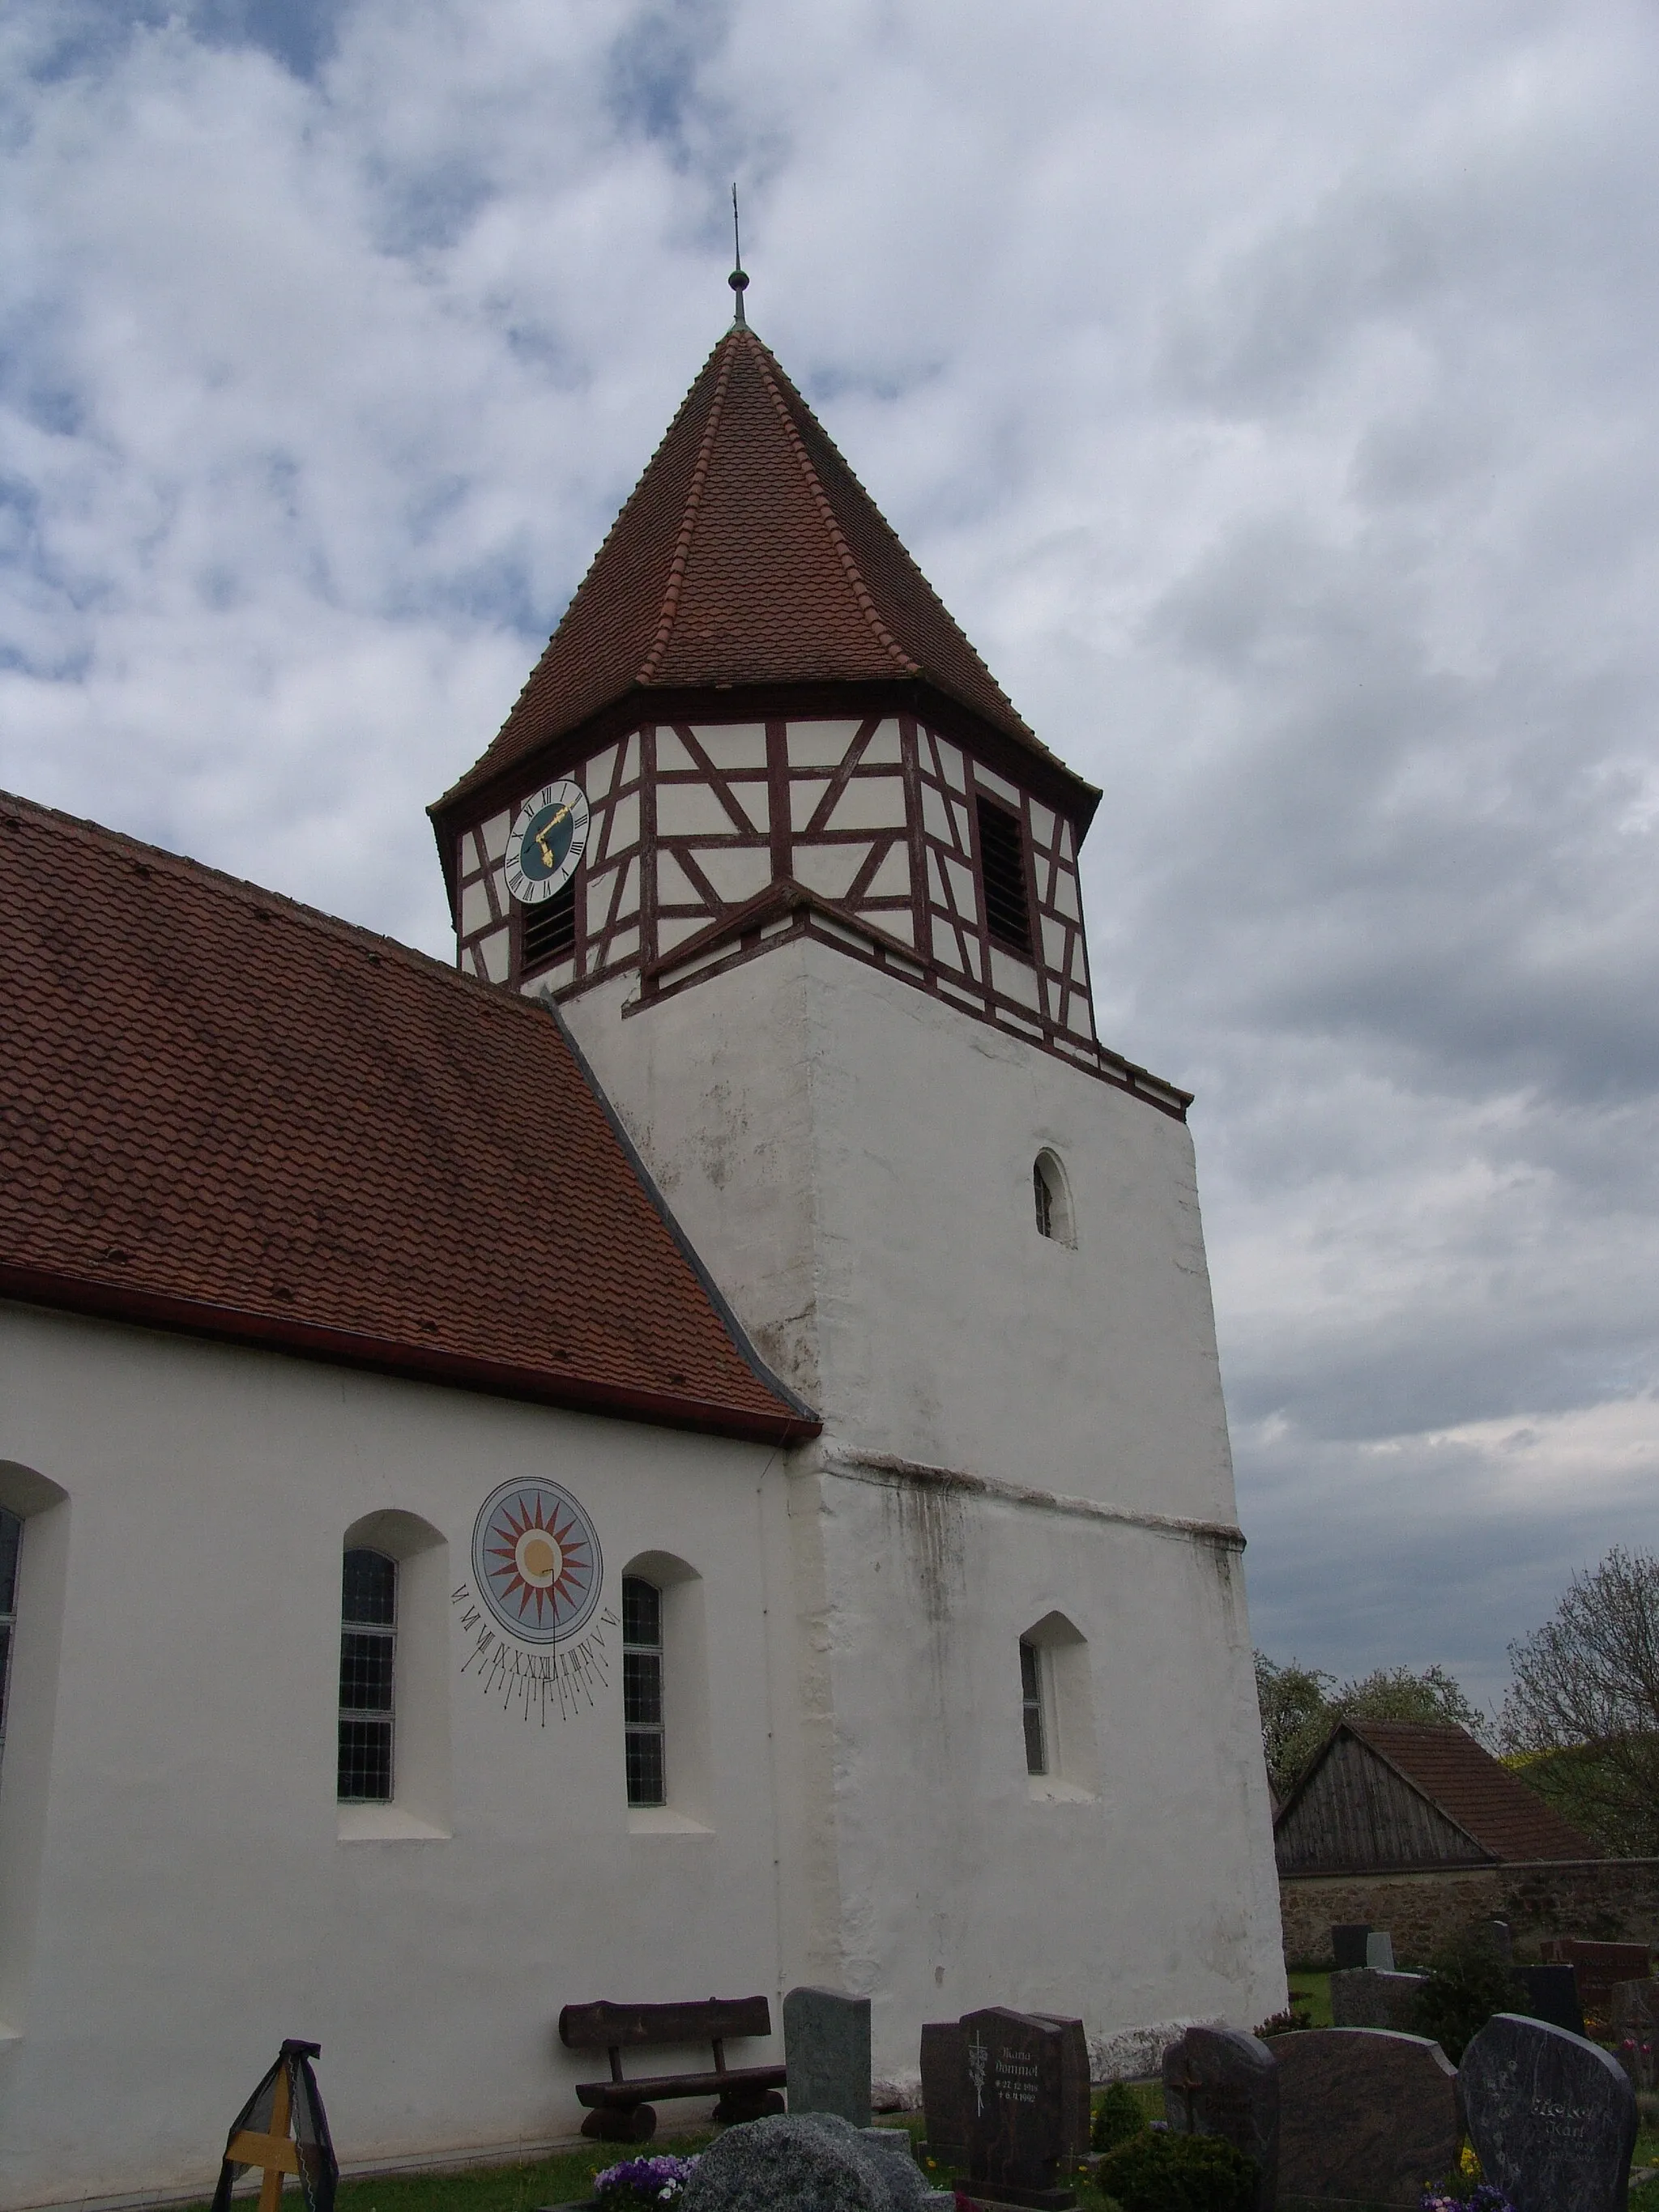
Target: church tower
803 886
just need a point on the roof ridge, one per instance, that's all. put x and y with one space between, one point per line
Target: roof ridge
671 594
246 890
861 592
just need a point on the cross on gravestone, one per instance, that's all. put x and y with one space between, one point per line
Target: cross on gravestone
826 2053
1552 2117
1018 2122
944 2091
1364 2116
1220 2081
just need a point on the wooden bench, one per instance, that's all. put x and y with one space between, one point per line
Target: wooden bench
620 2110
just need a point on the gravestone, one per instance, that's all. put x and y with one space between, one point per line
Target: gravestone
1552 1995
1348 1945
826 2049
1364 2116
1073 2085
1379 1951
805 2163
1365 1998
1498 1932
1598 1966
1552 2117
1220 2081
944 2091
1017 2111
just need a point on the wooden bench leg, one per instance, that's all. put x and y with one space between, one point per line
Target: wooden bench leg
637 2125
743 2104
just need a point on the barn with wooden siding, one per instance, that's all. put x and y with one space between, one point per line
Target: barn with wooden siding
1405 1796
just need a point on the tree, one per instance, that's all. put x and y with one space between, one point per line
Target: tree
1581 1720
1300 1706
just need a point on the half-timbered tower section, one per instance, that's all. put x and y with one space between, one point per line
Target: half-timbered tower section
883 796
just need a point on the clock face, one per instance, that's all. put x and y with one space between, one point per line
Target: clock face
548 838
537 1562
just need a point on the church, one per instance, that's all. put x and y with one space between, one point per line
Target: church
680 1455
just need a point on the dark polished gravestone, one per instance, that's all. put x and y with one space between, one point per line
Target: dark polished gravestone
1552 2118
1073 2086
1220 2081
1363 1997
1017 2121
1552 1995
1364 2116
1348 1941
826 2050
944 2091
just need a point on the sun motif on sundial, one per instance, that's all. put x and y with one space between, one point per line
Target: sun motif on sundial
535 1556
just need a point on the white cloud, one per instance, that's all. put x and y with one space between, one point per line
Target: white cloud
1269 389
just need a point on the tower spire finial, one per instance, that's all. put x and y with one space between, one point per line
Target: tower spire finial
737 280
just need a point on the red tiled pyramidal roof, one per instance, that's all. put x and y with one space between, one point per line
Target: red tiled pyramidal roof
1491 1805
224 1112
748 553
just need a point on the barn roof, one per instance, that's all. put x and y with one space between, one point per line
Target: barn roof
1444 1765
748 553
224 1113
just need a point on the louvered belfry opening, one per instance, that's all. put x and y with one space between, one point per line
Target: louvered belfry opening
549 929
1002 864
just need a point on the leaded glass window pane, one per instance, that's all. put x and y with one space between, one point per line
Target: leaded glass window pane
11 1543
642 1723
368 1631
1030 1684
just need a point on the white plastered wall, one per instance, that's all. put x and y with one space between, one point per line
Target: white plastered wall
195 1899
852 1158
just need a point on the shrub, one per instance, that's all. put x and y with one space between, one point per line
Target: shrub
1156 2172
1468 1982
1118 2117
1284 2023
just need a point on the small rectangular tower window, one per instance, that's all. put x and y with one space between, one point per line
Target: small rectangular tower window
642 1730
11 1544
549 930
1030 1687
1002 864
368 1629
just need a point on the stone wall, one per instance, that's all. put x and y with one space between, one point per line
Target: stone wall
1611 1900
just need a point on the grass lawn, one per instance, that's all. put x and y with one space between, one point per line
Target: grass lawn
564 2179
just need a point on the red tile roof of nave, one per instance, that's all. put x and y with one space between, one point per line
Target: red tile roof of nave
1449 1768
748 553
224 1112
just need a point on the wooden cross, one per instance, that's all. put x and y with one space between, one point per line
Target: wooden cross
276 2151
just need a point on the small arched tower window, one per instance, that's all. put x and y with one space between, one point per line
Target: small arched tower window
1053 1199
11 1543
368 1631
642 1723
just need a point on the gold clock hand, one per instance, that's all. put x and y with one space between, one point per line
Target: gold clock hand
551 824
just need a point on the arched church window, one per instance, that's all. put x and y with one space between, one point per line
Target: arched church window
642 1698
1053 1199
1031 1703
11 1544
1002 864
368 1629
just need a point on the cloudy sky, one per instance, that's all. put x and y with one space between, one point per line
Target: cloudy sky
1268 387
